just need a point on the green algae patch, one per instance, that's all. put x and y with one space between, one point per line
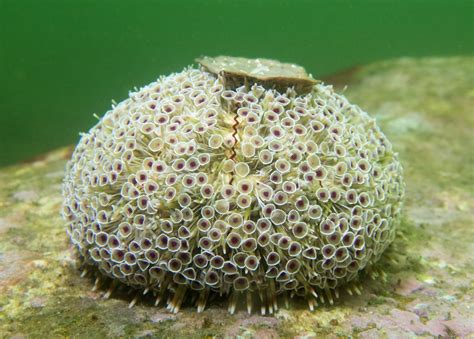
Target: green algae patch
423 285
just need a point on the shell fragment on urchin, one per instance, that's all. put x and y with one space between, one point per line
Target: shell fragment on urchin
194 186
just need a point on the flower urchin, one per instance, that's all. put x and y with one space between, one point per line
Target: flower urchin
243 177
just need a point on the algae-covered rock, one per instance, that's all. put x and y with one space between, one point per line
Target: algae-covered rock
426 281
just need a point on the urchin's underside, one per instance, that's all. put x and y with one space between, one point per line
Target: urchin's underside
212 180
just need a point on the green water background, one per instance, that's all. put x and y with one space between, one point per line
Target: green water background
63 60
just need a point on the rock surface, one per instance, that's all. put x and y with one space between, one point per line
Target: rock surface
425 108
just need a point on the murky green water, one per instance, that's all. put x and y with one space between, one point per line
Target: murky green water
61 61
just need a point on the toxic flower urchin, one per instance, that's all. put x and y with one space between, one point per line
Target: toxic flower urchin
243 177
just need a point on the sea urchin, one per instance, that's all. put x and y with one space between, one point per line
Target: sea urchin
242 177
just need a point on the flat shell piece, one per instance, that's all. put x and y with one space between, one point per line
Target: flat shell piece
265 71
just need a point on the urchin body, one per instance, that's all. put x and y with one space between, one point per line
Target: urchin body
191 185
